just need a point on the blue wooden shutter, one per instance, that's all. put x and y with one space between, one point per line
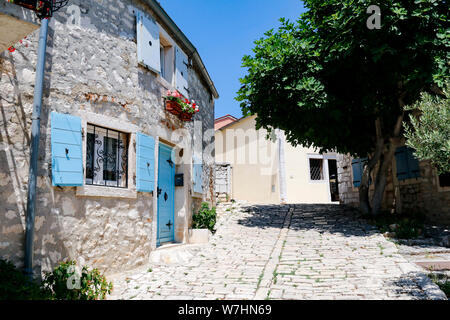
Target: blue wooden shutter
401 160
67 155
407 164
358 169
145 163
148 48
197 175
413 164
181 72
357 172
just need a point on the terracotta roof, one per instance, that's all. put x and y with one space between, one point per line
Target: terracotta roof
228 116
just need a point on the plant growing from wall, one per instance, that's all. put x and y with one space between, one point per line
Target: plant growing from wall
332 82
205 218
429 130
65 283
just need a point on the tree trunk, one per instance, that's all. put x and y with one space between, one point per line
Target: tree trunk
380 182
385 164
364 202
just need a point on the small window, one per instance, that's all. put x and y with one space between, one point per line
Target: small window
162 56
106 157
444 180
316 169
166 59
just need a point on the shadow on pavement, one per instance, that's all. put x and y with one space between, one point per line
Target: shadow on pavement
330 218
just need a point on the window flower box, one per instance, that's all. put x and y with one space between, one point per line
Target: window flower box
173 107
43 8
180 106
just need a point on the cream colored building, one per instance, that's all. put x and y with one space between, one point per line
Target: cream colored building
271 170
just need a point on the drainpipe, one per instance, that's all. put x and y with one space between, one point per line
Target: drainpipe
34 149
282 166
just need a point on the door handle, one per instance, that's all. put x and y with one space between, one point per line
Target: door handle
158 191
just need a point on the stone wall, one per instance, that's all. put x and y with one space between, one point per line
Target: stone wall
422 195
223 181
92 67
347 193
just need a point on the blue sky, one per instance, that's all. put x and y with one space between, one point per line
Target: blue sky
223 31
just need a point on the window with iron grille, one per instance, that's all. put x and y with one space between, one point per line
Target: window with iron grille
106 157
316 169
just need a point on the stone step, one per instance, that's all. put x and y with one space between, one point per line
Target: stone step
434 265
180 254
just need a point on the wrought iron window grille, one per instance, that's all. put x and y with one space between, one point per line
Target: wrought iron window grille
316 169
106 157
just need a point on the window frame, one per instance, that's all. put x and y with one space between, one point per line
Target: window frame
324 168
162 59
168 48
119 157
118 125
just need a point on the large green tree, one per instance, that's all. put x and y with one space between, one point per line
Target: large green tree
330 81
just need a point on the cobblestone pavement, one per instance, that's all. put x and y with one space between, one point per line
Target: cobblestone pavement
283 252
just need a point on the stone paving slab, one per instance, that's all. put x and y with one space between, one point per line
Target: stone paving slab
284 252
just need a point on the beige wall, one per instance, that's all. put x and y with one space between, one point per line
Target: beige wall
300 188
255 174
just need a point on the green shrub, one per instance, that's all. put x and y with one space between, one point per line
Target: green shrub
445 287
406 226
442 281
205 218
65 283
16 286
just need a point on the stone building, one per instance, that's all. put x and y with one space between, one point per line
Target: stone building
413 187
110 154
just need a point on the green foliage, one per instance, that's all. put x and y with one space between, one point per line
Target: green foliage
404 227
443 282
326 78
205 218
429 132
15 286
445 287
66 284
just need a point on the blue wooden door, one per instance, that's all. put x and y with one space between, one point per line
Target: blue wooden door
166 195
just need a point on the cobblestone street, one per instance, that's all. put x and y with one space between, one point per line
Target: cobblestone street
283 252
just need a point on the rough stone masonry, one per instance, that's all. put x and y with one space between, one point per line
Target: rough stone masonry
91 67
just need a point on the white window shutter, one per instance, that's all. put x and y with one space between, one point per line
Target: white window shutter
181 72
148 48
